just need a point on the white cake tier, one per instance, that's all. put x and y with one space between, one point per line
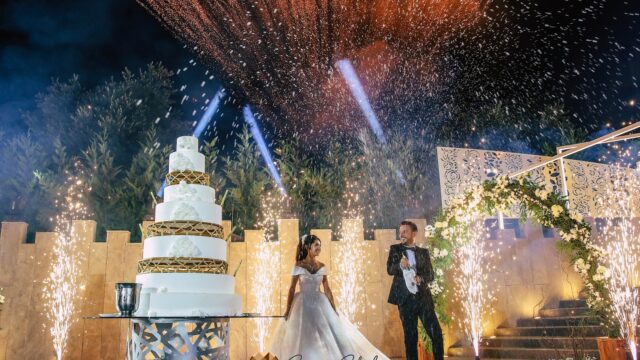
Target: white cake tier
187 143
186 160
187 283
189 210
185 246
189 304
189 192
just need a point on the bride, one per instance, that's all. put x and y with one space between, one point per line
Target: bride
311 328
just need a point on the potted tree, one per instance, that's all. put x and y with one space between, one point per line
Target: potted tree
611 348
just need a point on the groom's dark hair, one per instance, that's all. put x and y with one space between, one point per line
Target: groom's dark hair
410 224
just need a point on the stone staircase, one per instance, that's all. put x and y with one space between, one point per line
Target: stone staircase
558 333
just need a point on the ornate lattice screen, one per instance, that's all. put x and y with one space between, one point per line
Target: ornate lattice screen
586 181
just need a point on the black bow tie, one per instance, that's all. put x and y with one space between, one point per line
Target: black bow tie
409 247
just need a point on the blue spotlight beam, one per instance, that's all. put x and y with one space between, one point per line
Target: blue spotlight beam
262 145
208 115
350 76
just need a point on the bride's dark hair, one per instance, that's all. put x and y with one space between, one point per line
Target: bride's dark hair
303 246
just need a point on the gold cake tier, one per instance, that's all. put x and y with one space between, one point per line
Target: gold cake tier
184 227
182 265
189 176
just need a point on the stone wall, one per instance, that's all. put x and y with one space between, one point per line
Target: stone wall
529 274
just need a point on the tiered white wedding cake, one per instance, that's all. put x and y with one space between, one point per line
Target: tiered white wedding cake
184 267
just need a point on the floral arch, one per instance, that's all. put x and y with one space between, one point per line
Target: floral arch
527 200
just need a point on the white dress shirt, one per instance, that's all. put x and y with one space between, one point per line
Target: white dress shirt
411 255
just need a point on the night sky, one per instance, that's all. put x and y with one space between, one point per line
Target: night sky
97 39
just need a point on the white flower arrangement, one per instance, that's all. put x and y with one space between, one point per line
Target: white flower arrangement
581 267
542 194
436 288
601 270
2 299
428 230
556 210
440 224
576 216
574 234
438 253
502 195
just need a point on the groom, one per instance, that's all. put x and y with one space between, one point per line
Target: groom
414 305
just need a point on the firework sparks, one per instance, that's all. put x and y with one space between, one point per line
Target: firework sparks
471 282
63 286
267 258
280 55
425 61
349 262
621 234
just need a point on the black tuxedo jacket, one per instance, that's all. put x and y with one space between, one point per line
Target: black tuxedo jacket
399 291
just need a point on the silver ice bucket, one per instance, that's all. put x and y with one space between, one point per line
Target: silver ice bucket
127 298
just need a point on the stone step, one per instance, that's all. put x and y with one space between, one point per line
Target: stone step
561 342
524 353
563 312
566 331
558 321
562 332
572 304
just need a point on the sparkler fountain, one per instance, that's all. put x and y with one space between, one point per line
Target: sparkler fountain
349 261
62 288
472 291
621 235
267 257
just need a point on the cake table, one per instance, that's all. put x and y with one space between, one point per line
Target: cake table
179 337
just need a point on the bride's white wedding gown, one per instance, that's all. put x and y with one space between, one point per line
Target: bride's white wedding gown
314 331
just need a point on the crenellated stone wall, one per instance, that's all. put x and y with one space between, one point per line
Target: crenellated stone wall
529 274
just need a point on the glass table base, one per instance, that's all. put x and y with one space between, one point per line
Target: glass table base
173 338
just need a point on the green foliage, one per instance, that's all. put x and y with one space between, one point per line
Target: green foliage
556 118
313 188
112 131
247 179
121 198
60 114
116 129
499 127
21 198
397 175
214 165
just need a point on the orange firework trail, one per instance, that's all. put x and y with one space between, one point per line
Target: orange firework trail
280 55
